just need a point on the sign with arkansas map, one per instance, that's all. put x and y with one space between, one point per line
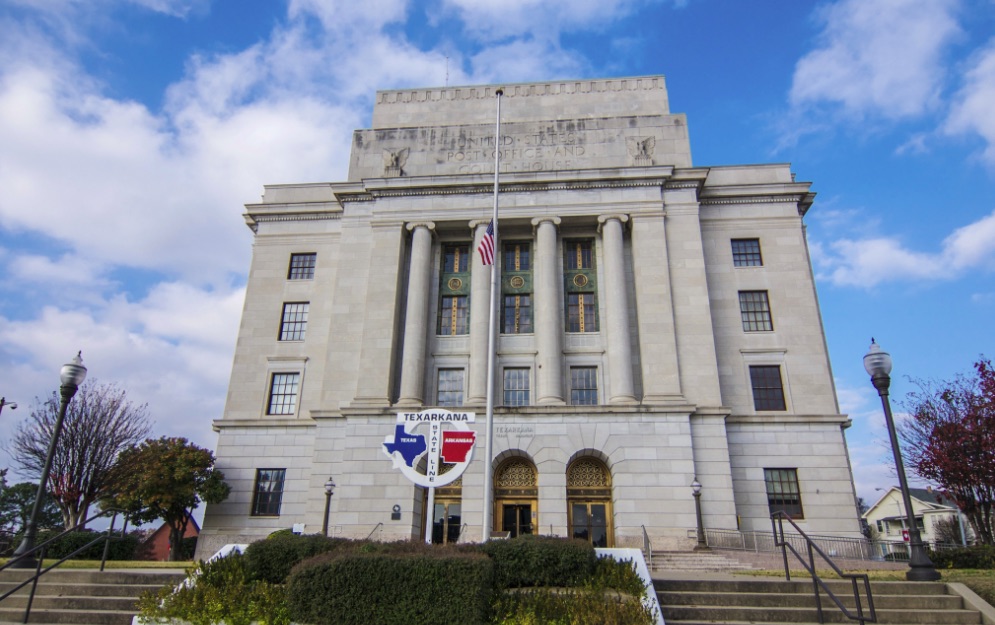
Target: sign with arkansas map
438 435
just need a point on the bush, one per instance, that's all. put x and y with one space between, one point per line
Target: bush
410 585
976 557
121 548
271 560
548 606
529 561
222 592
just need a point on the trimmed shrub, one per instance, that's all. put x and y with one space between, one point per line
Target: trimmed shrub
529 561
976 557
271 560
421 586
551 606
121 548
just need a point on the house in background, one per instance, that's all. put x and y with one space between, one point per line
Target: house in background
887 519
156 545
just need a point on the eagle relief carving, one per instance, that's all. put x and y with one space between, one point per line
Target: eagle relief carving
393 162
641 149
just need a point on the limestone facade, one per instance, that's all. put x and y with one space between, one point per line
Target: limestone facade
689 329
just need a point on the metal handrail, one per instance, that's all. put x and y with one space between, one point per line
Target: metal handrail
40 549
648 548
378 526
777 523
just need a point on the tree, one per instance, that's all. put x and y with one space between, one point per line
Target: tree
950 441
99 423
166 479
15 507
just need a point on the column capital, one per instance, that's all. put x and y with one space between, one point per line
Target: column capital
603 219
430 225
553 219
476 223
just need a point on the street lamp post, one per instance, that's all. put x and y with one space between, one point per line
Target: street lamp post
696 491
71 376
4 402
329 490
877 362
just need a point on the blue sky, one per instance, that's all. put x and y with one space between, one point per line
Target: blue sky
132 132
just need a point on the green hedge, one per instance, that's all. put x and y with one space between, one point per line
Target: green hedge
977 557
421 586
121 548
271 560
529 561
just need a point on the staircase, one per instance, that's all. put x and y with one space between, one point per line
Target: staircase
696 561
777 601
82 596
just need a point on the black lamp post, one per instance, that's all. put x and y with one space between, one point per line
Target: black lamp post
696 491
877 362
71 376
329 490
4 402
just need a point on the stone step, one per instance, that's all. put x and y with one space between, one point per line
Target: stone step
95 590
72 602
801 586
798 600
695 560
721 614
68 617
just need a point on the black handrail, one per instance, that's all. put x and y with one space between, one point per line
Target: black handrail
777 522
105 536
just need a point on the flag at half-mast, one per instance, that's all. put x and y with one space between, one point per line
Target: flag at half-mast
486 247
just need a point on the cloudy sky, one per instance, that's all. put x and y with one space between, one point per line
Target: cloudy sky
132 132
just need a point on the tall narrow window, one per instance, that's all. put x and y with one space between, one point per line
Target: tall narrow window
267 495
301 266
580 284
783 494
283 393
584 386
516 288
746 253
294 322
754 308
516 386
768 392
454 290
450 387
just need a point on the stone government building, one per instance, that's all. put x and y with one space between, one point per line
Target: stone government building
658 322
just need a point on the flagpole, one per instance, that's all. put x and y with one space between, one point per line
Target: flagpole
491 333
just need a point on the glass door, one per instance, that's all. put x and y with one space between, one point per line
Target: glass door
589 521
447 522
516 518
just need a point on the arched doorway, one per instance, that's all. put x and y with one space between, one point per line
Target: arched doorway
516 497
589 502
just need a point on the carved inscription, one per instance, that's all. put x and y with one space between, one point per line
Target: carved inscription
534 151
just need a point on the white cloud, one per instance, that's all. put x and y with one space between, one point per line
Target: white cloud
973 109
869 262
880 57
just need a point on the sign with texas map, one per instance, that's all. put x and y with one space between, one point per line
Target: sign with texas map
408 444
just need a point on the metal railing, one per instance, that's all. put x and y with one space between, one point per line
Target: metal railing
835 546
783 541
378 526
106 536
647 548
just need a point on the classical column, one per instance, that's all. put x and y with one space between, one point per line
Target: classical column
416 316
480 283
548 324
617 311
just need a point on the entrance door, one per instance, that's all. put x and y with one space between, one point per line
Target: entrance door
516 518
589 521
446 524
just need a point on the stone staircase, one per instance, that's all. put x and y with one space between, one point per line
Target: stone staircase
82 596
712 602
696 561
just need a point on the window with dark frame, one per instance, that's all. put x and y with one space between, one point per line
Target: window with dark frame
516 288
754 309
302 266
584 386
454 290
580 285
294 322
283 393
783 493
746 253
516 386
768 391
450 387
267 495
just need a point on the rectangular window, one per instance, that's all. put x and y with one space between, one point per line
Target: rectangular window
578 254
754 308
584 386
453 315
516 315
267 495
450 387
580 312
301 266
580 285
516 288
294 321
516 257
516 387
746 253
283 393
456 258
768 392
783 494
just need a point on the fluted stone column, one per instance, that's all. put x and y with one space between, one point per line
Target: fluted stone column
548 324
480 282
617 311
416 316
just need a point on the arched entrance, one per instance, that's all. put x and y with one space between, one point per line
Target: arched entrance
516 497
589 502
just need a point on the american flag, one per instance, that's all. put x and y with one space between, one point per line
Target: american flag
486 247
